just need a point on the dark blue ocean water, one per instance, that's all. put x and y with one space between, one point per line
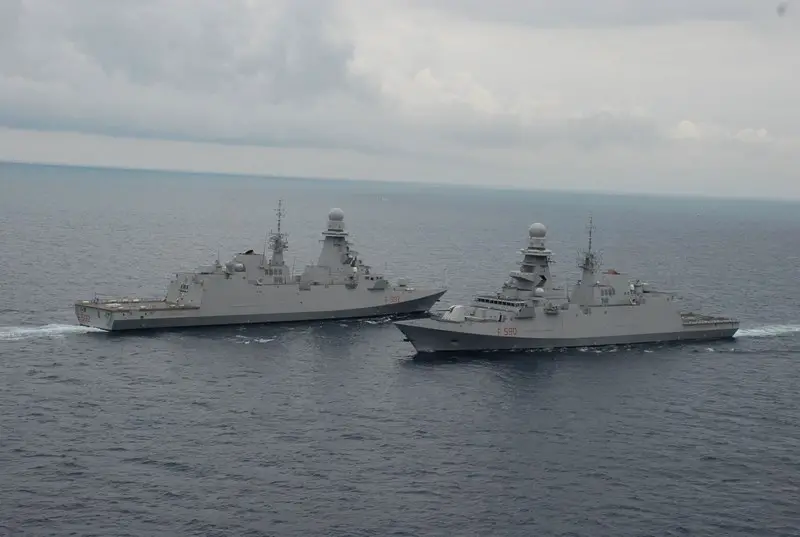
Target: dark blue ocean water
335 428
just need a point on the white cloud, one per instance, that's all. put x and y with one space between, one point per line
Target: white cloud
700 92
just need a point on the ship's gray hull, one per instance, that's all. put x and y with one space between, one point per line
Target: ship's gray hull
99 317
429 336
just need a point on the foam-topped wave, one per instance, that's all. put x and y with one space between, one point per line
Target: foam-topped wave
768 331
379 320
16 333
246 340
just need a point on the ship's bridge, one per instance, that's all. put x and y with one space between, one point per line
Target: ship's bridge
534 268
526 275
489 301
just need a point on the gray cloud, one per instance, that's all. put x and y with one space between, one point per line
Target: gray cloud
302 60
590 132
10 11
156 69
143 69
218 46
588 13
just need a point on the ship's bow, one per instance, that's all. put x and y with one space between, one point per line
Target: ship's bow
426 335
412 301
428 299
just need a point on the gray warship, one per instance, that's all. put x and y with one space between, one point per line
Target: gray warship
529 312
254 289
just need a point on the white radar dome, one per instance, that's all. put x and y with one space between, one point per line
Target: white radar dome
336 215
537 231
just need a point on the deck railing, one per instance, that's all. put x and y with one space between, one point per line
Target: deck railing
100 299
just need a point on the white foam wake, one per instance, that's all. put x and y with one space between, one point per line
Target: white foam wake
15 333
769 331
246 340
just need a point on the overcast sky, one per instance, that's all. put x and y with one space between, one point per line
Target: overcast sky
632 95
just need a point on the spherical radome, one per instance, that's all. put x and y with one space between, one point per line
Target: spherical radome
336 215
537 231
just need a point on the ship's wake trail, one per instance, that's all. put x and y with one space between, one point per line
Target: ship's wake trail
16 333
768 331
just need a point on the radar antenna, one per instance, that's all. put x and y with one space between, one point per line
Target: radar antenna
590 260
590 229
277 240
281 213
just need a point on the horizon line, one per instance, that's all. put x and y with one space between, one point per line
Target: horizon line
511 188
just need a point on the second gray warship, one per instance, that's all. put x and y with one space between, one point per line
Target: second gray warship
529 312
251 288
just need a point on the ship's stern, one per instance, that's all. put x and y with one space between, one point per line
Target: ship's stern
707 327
92 316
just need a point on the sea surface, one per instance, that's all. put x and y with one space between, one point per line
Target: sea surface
336 428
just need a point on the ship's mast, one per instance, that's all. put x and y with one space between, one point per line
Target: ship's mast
590 261
277 241
279 211
589 228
